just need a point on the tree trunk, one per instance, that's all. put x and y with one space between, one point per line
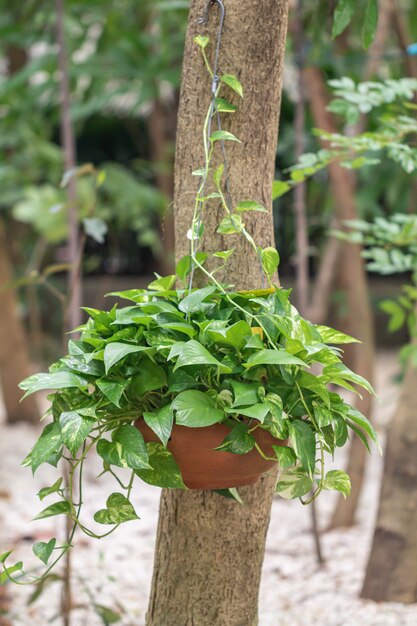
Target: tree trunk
14 356
352 276
391 575
404 38
72 312
161 141
210 550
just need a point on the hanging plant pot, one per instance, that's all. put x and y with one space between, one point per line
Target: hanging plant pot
204 467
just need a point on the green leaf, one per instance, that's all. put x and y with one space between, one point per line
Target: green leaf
270 261
231 493
180 381
193 353
108 616
279 188
48 443
161 422
343 14
163 283
194 302
232 82
47 491
230 225
255 342
238 441
115 352
370 22
75 429
8 571
360 434
118 510
303 442
196 409
315 385
43 550
152 376
53 380
272 357
245 394
337 373
127 448
330 335
180 327
235 335
202 41
225 254
131 315
285 455
58 508
338 480
396 313
5 556
113 390
165 472
224 106
250 205
40 587
257 411
322 415
223 135
358 418
183 267
293 483
340 431
218 174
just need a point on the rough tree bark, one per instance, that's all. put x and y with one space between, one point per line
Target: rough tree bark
391 575
14 356
353 280
210 550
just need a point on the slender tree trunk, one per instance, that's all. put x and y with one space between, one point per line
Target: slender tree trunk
386 10
161 142
404 38
300 210
410 62
210 550
14 356
391 575
353 280
72 309
73 313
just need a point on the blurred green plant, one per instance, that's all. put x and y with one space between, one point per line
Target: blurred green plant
391 248
123 56
394 129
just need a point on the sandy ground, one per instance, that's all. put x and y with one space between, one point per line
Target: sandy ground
117 571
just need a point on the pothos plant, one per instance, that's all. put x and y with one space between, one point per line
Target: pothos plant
193 357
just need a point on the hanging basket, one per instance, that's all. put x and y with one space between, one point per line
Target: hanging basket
203 467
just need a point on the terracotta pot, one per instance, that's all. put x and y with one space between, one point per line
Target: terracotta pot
203 467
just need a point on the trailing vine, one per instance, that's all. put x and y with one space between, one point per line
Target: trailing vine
193 358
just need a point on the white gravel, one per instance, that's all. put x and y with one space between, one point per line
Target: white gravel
117 570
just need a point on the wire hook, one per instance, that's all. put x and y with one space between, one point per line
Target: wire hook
204 18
